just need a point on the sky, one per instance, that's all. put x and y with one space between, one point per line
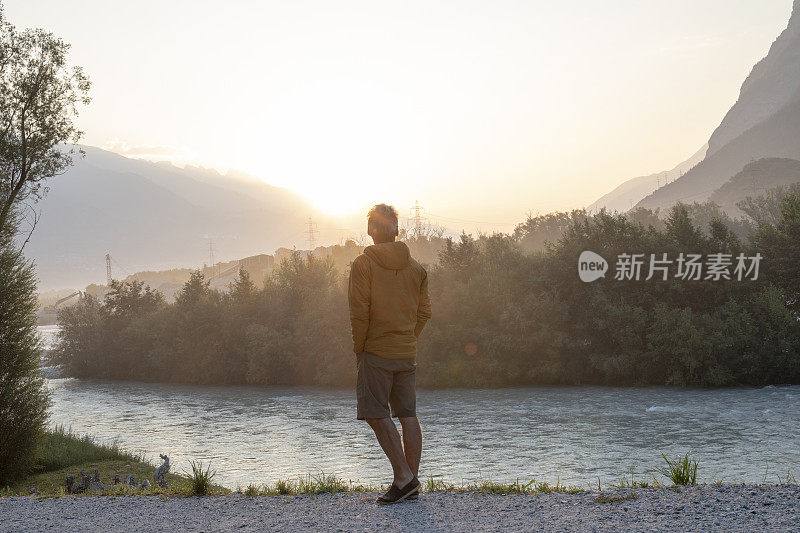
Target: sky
481 111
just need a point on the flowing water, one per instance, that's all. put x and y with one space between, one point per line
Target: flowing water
575 434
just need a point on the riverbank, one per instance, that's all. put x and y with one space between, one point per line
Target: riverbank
61 454
703 507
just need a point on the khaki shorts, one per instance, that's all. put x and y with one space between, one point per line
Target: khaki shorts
382 383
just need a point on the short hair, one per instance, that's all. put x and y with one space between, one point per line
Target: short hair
382 219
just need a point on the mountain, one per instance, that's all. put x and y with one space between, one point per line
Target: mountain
631 191
754 179
157 216
764 123
773 82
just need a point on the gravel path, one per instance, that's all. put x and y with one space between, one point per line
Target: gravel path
703 508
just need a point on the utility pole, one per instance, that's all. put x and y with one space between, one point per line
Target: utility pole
211 256
312 234
417 218
108 270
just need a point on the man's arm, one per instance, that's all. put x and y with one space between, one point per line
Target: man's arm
424 309
358 294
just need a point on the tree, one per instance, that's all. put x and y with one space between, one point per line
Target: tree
39 97
680 228
502 317
131 299
23 395
534 234
779 246
766 209
83 339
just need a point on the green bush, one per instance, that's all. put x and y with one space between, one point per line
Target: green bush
23 395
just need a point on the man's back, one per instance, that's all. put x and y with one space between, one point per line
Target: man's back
389 301
389 306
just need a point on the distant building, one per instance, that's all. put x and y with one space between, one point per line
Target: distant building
257 266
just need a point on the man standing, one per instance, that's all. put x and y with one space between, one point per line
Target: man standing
389 306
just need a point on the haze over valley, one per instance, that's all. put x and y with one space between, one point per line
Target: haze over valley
175 214
156 216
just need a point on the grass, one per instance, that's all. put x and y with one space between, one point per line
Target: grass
283 487
309 484
436 485
61 448
788 480
491 487
681 471
330 484
633 483
201 479
62 452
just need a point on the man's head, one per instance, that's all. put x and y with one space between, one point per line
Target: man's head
382 223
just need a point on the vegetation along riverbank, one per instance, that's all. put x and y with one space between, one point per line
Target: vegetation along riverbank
509 310
62 454
667 498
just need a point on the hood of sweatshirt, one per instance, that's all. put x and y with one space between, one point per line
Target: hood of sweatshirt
389 255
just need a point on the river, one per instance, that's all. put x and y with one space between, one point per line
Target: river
575 434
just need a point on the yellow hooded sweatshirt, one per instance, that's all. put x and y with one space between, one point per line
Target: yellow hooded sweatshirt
389 301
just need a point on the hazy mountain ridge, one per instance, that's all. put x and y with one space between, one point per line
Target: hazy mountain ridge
155 215
776 137
754 180
773 82
764 123
631 191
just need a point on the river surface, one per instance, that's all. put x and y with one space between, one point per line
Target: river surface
575 434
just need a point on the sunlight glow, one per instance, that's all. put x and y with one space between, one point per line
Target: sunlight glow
339 144
482 111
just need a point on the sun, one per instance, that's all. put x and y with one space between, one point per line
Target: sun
337 202
339 144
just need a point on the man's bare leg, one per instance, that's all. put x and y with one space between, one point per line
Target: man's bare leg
412 442
389 439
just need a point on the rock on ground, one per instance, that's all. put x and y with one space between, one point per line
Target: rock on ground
702 508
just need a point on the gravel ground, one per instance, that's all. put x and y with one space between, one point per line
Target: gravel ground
703 508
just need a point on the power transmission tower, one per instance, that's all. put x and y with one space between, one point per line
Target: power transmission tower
108 270
312 234
417 218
